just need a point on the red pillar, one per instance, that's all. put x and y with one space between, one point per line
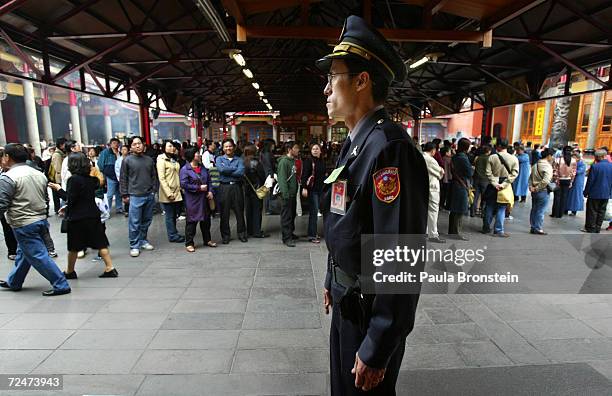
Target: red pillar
487 120
145 123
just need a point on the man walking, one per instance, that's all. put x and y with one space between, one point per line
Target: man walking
502 169
598 191
231 171
106 164
379 186
24 199
288 187
137 187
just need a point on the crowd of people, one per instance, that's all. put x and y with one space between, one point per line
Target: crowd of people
486 180
195 184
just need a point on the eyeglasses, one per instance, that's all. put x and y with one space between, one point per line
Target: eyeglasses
330 76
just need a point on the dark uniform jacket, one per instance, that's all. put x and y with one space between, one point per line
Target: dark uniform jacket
379 144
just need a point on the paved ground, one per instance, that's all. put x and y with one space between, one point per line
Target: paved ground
245 319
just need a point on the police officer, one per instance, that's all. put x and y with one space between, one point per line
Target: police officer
379 186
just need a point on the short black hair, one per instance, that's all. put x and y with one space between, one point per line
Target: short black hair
69 145
132 138
380 86
78 164
486 148
114 140
429 146
190 154
289 145
546 152
444 150
463 145
60 141
503 143
17 152
228 140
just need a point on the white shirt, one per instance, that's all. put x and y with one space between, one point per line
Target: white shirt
208 160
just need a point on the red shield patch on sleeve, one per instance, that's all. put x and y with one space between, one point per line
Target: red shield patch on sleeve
387 184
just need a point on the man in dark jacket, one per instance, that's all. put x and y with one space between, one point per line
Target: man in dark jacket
598 190
288 187
106 164
379 186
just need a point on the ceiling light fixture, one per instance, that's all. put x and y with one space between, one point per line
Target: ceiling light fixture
419 62
237 56
255 85
269 106
260 93
265 100
247 73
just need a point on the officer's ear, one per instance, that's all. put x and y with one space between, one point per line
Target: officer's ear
362 80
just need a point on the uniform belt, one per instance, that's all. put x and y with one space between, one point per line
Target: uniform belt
231 182
342 278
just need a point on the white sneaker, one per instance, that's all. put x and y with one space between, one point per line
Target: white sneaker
147 246
134 252
319 214
180 218
81 254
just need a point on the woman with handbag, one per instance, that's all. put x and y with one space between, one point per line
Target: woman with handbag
313 174
540 185
255 176
195 182
461 171
564 170
82 217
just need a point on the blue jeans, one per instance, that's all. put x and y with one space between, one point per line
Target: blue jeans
539 203
112 189
139 219
497 210
313 212
172 210
32 252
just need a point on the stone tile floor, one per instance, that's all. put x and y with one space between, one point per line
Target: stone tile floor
246 319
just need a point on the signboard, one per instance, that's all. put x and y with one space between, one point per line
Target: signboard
539 122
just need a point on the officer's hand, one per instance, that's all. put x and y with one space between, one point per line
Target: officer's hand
366 377
327 300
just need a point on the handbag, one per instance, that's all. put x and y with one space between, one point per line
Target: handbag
261 192
506 195
471 195
550 187
64 226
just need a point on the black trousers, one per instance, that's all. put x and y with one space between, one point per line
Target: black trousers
253 207
190 231
445 189
287 216
595 212
56 201
344 341
9 237
232 198
455 223
560 199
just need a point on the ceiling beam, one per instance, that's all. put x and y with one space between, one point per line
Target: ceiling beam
553 42
121 34
11 6
514 10
121 44
583 15
25 58
570 64
332 34
233 8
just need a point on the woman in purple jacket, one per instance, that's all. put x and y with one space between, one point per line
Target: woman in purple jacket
195 181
